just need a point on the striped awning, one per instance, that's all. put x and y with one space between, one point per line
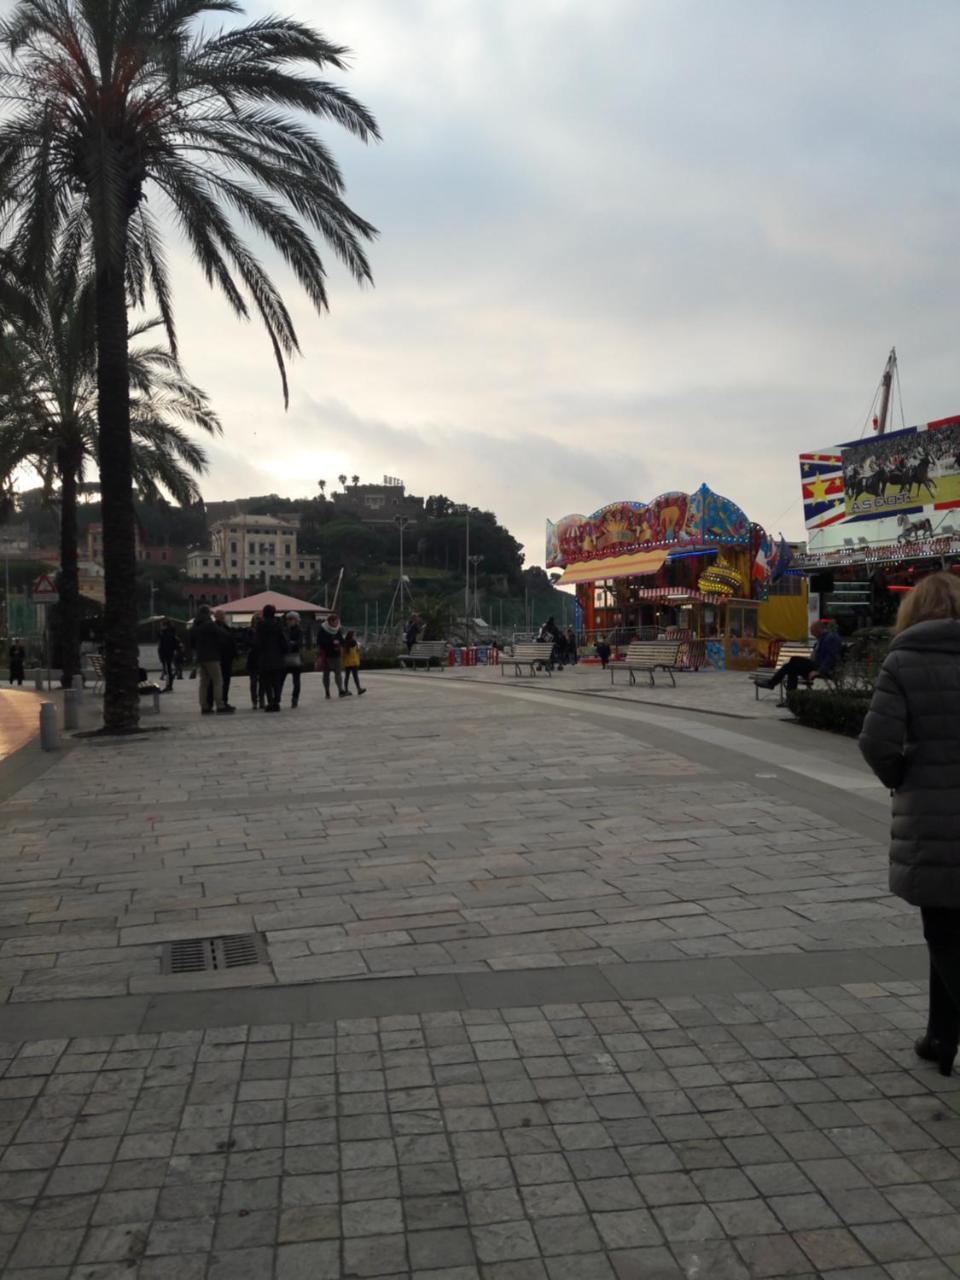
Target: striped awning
634 566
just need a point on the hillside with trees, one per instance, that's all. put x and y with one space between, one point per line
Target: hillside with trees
434 550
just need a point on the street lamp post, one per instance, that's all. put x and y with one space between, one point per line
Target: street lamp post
466 589
475 561
401 522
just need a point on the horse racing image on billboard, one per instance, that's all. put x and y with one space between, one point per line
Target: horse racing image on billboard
901 471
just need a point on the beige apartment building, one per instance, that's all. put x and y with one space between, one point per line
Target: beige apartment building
252 547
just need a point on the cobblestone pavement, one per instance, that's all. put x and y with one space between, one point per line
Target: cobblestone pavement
724 1138
427 828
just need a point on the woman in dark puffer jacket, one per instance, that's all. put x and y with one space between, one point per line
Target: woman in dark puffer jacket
911 740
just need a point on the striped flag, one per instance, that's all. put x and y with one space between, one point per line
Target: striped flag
821 479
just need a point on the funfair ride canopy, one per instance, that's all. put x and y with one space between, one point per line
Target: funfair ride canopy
633 539
891 497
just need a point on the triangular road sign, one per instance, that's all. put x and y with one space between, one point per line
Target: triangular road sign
43 591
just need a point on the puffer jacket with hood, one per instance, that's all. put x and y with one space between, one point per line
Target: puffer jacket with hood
911 740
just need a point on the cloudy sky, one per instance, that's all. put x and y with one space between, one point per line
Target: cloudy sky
626 246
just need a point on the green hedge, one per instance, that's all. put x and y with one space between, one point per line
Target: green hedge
836 712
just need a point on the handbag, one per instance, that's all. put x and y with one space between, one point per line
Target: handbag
292 661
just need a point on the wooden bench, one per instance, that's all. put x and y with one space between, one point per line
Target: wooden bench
96 669
529 653
788 650
650 656
425 651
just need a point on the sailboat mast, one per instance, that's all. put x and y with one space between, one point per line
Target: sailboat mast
886 382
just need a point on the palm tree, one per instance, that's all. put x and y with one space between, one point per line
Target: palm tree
343 481
323 487
115 101
48 418
355 480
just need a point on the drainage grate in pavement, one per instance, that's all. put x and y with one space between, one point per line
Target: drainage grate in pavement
195 955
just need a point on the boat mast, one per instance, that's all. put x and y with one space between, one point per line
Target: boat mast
886 383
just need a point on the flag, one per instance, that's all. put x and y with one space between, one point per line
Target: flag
821 479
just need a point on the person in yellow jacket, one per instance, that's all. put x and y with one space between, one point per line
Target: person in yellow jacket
350 661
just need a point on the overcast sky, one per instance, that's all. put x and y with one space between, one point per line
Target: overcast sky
626 246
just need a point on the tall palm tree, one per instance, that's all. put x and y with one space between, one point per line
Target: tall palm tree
356 480
48 420
343 481
118 101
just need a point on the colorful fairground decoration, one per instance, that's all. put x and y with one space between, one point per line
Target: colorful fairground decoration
687 563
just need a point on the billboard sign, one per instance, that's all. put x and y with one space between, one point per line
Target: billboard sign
900 490
902 471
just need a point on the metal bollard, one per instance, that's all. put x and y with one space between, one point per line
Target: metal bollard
49 729
71 708
38 679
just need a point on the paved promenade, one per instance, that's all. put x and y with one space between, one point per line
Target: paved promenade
553 985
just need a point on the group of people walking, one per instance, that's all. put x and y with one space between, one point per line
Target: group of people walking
273 645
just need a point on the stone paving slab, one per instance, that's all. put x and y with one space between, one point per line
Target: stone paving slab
421 830
735 1135
721 693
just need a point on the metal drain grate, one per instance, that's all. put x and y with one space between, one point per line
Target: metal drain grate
196 955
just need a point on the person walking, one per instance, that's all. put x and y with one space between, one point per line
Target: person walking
911 740
602 650
17 656
412 632
330 644
206 641
350 661
294 656
167 652
272 649
571 646
257 697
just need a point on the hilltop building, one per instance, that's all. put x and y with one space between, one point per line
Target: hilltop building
379 503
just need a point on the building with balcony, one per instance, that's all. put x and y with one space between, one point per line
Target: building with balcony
253 547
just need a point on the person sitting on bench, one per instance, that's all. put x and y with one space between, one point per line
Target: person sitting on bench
823 661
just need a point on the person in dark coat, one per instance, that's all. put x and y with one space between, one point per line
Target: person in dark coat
823 661
206 642
228 651
167 652
17 657
258 697
911 740
602 649
272 648
411 633
294 656
330 645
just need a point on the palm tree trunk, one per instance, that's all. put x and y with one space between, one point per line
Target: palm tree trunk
121 707
69 461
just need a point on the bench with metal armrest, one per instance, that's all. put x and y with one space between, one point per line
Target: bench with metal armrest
529 653
424 652
649 656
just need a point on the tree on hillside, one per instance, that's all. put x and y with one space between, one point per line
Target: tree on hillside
48 417
118 100
343 481
437 506
355 480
